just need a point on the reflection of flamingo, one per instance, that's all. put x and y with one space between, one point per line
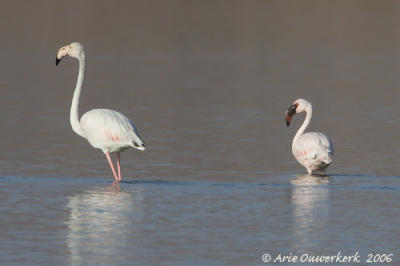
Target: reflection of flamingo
107 130
102 222
310 180
312 150
310 206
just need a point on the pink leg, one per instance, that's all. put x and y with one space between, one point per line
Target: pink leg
119 167
111 166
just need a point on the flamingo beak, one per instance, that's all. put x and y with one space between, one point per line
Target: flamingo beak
291 111
63 51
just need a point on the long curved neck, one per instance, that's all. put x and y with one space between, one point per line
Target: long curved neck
74 116
304 125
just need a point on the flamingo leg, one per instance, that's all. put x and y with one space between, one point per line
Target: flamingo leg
112 166
119 167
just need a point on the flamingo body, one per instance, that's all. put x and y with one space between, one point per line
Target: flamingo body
110 131
312 150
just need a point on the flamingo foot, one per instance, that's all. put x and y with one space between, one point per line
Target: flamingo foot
112 167
119 167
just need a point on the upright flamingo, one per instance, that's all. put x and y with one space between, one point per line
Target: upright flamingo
312 150
107 130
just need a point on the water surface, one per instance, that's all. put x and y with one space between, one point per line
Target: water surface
60 221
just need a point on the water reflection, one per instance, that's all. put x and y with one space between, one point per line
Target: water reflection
310 202
101 222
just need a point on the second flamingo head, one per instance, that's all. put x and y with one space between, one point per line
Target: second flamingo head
298 106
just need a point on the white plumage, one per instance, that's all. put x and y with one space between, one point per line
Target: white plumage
312 150
110 131
107 130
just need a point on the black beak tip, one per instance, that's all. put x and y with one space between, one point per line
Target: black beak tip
287 123
57 61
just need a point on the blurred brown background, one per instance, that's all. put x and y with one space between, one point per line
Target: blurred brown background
206 83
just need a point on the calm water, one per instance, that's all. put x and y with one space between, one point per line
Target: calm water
78 221
207 84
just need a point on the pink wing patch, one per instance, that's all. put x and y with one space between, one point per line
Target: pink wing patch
110 136
303 153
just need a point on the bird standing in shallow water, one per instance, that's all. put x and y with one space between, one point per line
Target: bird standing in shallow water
107 130
312 150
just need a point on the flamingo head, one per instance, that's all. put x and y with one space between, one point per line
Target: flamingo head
74 49
298 106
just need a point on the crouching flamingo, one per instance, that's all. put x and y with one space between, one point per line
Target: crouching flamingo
312 150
